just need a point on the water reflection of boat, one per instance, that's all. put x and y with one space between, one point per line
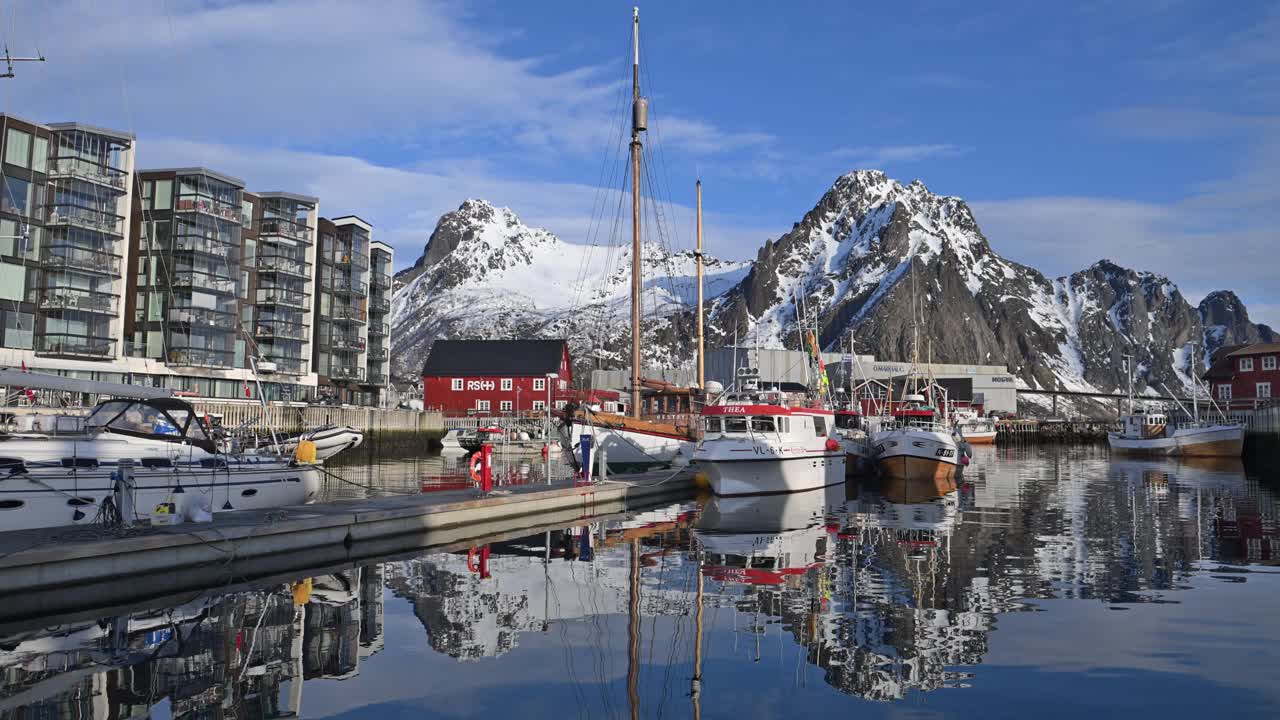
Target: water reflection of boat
1199 472
762 539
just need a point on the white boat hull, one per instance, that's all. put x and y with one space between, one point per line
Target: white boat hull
761 475
46 497
1212 441
630 450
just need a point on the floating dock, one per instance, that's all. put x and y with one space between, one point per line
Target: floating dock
59 570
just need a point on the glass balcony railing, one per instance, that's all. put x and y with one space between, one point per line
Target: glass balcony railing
275 227
378 353
347 342
69 257
380 280
88 171
63 298
346 372
198 280
346 286
379 305
349 314
379 379
211 246
79 346
200 357
378 328
291 366
86 218
209 206
286 298
288 331
284 264
354 261
202 317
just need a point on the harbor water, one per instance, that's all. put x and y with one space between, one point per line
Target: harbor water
1054 582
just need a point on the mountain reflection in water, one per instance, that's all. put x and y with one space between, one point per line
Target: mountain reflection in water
781 604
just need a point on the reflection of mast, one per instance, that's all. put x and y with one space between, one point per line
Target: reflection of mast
695 688
633 633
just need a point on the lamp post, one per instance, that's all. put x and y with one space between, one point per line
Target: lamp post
546 430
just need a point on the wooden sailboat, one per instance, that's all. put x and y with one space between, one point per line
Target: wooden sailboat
635 442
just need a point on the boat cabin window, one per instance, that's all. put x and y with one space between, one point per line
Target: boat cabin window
819 426
711 425
784 423
735 424
171 421
763 424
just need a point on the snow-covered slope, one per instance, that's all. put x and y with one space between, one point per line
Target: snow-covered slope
484 273
850 261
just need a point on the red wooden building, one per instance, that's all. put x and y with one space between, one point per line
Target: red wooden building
1246 376
497 377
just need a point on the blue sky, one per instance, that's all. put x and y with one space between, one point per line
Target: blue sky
1146 132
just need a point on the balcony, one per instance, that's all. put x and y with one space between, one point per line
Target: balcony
356 262
62 298
81 169
276 227
379 379
87 218
348 315
284 265
378 328
69 257
341 285
210 246
346 372
380 280
200 357
282 330
289 366
208 206
75 346
347 343
283 298
200 281
379 305
202 317
378 353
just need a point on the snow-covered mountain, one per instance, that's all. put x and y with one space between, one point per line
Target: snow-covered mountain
485 274
850 261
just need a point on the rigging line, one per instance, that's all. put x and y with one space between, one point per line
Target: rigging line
660 225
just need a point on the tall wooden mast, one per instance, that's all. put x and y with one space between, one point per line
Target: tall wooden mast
698 254
639 121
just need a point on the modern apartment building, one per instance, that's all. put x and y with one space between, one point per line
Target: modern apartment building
343 330
180 277
64 218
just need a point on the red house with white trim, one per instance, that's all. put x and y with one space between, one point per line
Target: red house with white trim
1247 376
496 377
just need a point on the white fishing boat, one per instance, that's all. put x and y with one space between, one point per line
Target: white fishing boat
753 443
918 448
133 456
1152 433
975 429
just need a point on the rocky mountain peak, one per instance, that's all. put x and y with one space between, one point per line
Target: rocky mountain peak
1226 322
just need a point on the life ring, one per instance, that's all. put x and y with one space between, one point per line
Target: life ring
471 562
476 461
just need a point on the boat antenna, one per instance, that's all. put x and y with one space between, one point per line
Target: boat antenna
639 123
697 254
1128 371
9 60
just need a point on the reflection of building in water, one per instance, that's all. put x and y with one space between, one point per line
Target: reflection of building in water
537 581
223 657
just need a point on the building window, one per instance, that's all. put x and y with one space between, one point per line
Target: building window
482 405
539 383
1269 362
1224 392
1246 364
40 155
456 384
563 384
539 405
17 148
1264 390
17 195
506 383
505 406
560 404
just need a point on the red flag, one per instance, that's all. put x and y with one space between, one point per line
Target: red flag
24 366
246 389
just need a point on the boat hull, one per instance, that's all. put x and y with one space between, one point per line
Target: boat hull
629 450
43 497
763 476
981 438
1227 441
921 456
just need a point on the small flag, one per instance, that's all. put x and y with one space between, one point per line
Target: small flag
246 389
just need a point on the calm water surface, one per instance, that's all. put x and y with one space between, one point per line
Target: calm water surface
1053 583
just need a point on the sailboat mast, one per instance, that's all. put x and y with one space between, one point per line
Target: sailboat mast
639 119
697 254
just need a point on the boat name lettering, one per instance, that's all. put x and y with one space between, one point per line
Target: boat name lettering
480 385
945 452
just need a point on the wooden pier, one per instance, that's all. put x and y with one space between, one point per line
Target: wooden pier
1038 431
61 569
